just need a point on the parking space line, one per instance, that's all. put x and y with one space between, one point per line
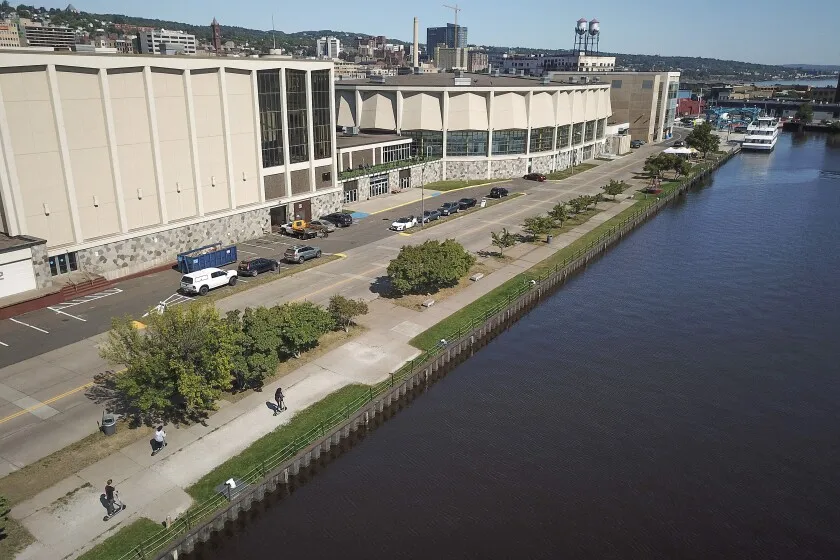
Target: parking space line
28 325
247 252
260 246
63 313
4 344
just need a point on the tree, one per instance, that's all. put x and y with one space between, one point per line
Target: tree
703 139
177 366
559 213
598 197
652 167
345 310
502 240
805 113
682 168
538 225
302 325
429 267
259 340
576 204
614 188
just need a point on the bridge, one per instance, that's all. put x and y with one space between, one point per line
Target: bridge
778 106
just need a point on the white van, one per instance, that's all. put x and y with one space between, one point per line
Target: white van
202 281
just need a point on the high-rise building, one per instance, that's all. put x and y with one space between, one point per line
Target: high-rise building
477 61
9 34
450 36
217 36
451 59
328 47
59 38
166 42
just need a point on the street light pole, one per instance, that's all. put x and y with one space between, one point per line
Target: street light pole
422 195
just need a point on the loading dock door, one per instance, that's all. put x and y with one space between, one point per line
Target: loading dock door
17 276
303 210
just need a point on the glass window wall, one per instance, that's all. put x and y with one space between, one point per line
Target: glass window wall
270 98
589 134
296 110
577 133
321 127
466 143
396 153
426 143
506 142
563 136
542 139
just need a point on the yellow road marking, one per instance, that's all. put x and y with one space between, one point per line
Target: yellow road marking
45 403
339 283
405 234
342 255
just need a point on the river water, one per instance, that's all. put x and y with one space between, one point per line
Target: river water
678 399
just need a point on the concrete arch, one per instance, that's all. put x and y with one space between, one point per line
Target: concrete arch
421 111
379 111
542 110
510 111
468 111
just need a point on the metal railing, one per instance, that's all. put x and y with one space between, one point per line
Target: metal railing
383 167
518 299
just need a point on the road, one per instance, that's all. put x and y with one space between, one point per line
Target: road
52 355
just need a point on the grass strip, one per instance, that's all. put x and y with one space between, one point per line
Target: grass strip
476 208
569 171
124 541
453 184
301 423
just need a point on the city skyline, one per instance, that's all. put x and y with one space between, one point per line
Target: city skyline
656 29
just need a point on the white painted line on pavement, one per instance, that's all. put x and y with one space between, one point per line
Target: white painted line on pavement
28 325
63 313
260 246
247 252
388 248
4 344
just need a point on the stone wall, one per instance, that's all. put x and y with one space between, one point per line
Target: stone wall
427 173
328 203
41 265
114 260
542 164
466 170
507 168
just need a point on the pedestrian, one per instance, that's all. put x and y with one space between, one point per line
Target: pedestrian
160 440
109 496
278 398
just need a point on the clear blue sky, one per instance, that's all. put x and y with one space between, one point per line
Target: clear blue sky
747 30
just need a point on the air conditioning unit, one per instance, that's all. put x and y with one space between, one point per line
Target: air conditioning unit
377 79
351 130
545 80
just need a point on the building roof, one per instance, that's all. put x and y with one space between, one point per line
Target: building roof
9 243
443 80
364 139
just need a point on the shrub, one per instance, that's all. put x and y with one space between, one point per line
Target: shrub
429 267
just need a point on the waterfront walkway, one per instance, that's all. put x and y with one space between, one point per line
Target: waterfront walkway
66 519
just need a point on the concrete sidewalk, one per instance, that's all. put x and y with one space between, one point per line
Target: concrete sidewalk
66 519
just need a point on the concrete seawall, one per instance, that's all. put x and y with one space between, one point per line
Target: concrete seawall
412 382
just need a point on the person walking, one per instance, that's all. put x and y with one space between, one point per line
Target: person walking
110 496
160 440
278 398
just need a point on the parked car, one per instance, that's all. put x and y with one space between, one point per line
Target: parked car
252 267
465 203
535 177
430 216
324 225
404 223
206 279
448 208
636 143
338 219
679 144
300 253
498 192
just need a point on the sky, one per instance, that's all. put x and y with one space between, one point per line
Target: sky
746 30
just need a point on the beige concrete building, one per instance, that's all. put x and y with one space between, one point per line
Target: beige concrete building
121 162
477 125
646 100
53 36
9 34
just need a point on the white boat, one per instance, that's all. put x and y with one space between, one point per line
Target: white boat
762 134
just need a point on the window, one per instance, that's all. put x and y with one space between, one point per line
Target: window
321 126
542 139
507 142
405 182
396 153
378 185
589 133
466 143
647 84
351 195
577 133
270 99
587 152
296 111
563 136
63 263
326 177
427 143
602 123
616 84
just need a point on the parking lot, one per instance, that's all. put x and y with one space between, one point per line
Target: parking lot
46 329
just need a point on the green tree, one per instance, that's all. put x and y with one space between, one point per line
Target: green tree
428 267
805 113
502 240
576 204
259 340
177 366
652 167
682 168
345 310
614 188
559 213
538 225
703 139
598 197
302 325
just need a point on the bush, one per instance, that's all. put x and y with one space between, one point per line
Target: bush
302 325
345 310
426 268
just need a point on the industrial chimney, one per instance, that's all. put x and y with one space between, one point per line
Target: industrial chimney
415 51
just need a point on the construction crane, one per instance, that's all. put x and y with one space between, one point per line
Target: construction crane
455 9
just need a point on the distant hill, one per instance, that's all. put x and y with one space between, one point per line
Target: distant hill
303 43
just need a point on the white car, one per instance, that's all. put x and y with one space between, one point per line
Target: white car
202 281
401 224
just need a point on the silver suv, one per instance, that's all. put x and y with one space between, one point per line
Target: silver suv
300 253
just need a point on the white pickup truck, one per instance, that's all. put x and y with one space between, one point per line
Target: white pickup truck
204 280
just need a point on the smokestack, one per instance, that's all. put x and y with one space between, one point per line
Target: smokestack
415 52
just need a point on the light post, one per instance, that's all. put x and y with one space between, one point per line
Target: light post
422 195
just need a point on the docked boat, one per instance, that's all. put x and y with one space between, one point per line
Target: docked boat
762 134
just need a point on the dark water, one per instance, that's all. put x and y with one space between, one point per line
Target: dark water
680 399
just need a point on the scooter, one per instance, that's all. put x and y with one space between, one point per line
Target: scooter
117 504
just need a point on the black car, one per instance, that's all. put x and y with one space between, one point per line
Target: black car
339 219
465 203
498 192
430 216
448 208
636 144
252 267
679 144
535 177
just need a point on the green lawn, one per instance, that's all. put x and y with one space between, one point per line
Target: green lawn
452 185
123 541
569 171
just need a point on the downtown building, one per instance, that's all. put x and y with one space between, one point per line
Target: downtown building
111 165
463 126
